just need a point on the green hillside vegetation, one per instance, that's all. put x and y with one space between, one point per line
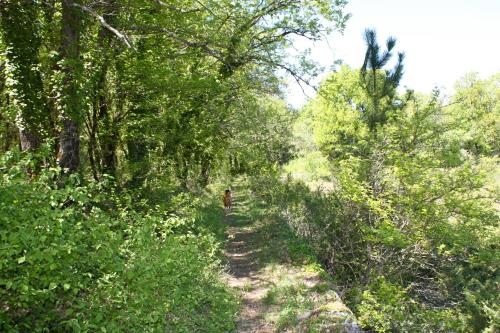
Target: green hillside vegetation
123 122
410 228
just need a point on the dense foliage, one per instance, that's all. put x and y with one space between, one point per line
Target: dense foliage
117 117
122 120
133 89
408 222
85 258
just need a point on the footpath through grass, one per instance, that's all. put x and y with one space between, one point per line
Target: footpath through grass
282 288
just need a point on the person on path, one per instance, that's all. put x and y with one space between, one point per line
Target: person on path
228 199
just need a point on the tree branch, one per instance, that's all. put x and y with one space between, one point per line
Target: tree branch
183 41
124 38
206 8
299 79
173 8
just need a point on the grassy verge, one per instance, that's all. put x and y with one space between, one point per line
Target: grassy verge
300 295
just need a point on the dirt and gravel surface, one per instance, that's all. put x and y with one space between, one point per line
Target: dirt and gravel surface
277 295
242 254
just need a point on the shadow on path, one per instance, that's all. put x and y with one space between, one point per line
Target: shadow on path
277 295
244 256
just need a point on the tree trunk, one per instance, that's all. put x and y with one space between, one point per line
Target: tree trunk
108 138
8 130
138 162
92 128
69 138
69 145
28 140
8 135
182 166
206 167
18 22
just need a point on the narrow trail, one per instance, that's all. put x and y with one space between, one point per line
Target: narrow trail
242 251
245 277
277 295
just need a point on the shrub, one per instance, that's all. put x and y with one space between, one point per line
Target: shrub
386 307
82 258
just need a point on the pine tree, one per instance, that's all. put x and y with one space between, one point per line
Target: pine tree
378 82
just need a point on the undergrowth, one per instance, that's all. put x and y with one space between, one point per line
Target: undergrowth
329 228
87 258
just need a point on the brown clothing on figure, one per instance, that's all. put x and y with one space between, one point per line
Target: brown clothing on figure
227 200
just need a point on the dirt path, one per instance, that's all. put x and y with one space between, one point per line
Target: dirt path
277 295
244 275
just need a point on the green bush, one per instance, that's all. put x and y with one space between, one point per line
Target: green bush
170 286
439 279
386 307
50 254
83 259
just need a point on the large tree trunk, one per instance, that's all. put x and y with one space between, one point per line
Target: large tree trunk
108 138
8 134
18 22
69 138
105 134
108 147
138 162
69 146
92 143
29 141
8 130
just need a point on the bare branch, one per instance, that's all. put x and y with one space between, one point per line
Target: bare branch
269 9
206 8
124 38
298 78
201 45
